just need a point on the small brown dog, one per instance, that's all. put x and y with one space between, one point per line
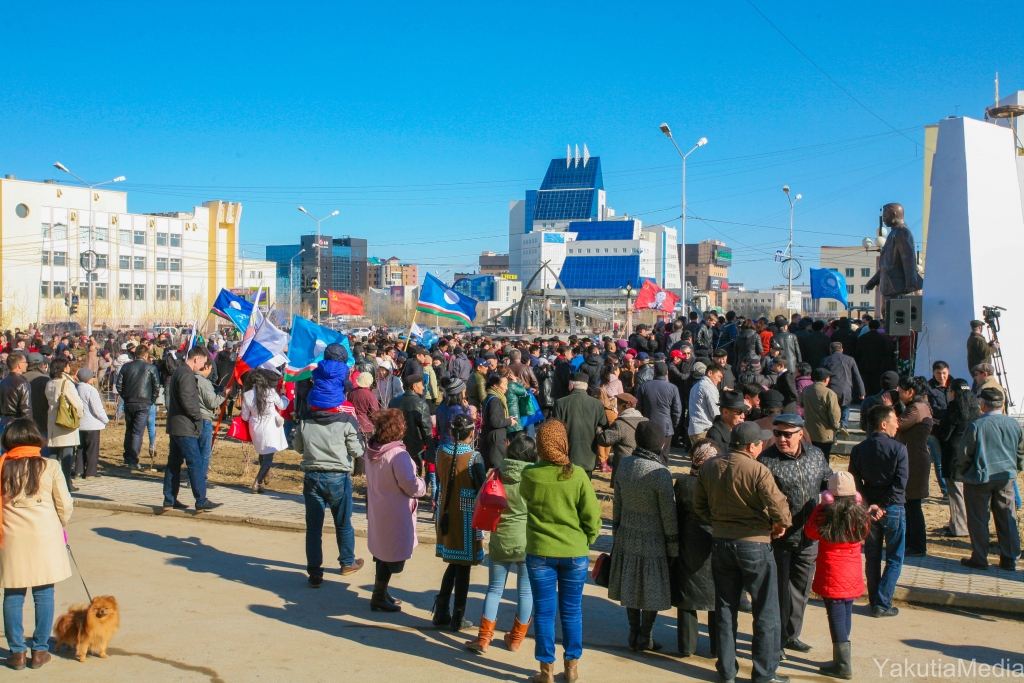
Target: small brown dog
89 628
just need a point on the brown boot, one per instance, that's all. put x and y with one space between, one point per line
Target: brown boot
483 639
15 661
572 674
547 673
39 657
514 638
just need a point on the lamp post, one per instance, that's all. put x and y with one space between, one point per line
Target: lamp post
789 249
92 231
628 293
682 261
291 283
320 284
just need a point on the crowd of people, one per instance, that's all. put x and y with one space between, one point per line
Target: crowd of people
758 521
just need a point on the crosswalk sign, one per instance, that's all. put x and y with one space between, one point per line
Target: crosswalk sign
323 305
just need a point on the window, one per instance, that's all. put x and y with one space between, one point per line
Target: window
124 236
83 233
175 265
161 239
865 272
833 305
46 258
60 258
44 289
101 261
140 292
140 237
101 235
175 239
59 289
140 263
59 231
101 290
175 292
46 230
124 292
849 289
864 289
124 262
161 292
864 304
849 272
161 263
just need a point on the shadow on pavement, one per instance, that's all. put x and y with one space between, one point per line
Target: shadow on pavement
999 659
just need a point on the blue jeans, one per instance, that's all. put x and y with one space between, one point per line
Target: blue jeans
151 427
206 446
749 566
557 581
497 575
184 449
892 529
845 416
322 490
289 427
936 452
14 604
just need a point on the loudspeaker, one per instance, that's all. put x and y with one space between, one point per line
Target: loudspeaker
916 312
897 317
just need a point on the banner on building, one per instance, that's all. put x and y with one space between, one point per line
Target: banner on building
718 284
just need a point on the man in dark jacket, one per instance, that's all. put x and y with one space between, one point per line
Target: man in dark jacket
592 366
732 411
874 356
680 375
801 472
978 349
522 370
815 346
418 433
584 417
785 384
38 378
880 465
846 380
138 385
15 391
184 425
658 400
460 366
563 373
845 335
790 349
888 383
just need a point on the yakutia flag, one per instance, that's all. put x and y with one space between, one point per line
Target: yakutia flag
307 348
265 348
234 308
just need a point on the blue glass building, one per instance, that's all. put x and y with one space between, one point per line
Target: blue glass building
570 191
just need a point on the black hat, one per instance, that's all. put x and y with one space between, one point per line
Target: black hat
977 323
409 380
489 355
660 368
991 395
659 356
772 398
890 380
746 433
789 419
733 400
580 377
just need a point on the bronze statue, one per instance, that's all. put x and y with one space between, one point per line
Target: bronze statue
897 265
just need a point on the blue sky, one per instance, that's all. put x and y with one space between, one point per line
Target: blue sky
419 123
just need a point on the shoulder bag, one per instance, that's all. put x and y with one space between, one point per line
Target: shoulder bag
67 414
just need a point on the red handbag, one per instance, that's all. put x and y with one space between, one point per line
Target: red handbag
239 429
490 503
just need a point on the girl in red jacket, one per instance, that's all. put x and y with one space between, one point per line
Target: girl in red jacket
841 523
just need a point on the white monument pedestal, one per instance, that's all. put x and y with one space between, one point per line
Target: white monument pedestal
975 247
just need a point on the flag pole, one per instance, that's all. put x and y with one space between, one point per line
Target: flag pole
408 337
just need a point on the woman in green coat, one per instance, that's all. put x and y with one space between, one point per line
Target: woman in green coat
508 550
513 393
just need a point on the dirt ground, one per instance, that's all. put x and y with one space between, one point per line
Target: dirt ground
234 464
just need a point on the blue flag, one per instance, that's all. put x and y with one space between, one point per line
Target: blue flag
234 308
437 298
307 345
828 284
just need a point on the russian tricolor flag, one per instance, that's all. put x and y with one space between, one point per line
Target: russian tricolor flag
263 346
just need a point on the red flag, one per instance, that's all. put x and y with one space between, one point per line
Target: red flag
653 296
344 304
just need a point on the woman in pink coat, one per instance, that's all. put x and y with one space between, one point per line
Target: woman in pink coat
392 490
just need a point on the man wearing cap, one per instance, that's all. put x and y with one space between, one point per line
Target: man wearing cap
659 401
979 350
681 375
584 417
721 357
991 455
739 497
418 431
732 411
984 378
822 415
801 472
703 402
476 389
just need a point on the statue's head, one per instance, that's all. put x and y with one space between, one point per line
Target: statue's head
892 216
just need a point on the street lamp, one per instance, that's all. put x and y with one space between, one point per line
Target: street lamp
789 249
291 283
92 231
318 250
628 293
700 143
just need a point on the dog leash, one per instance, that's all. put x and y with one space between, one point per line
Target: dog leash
80 577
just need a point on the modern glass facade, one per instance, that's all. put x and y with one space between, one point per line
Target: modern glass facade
569 192
480 287
601 272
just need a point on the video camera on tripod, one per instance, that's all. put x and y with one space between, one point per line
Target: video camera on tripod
991 315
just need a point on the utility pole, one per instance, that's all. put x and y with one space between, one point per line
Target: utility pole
789 249
682 261
319 248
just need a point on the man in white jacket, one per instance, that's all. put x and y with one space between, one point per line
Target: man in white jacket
704 402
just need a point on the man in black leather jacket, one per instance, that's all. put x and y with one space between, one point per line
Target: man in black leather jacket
138 385
418 433
788 344
15 393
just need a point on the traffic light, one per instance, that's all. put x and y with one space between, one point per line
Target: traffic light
67 300
73 309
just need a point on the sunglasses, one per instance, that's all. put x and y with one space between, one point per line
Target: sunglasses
784 435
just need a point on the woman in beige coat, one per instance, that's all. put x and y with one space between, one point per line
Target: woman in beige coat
35 505
63 441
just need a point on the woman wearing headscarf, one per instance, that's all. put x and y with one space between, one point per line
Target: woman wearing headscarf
694 564
646 536
496 421
961 410
563 520
392 489
36 505
461 472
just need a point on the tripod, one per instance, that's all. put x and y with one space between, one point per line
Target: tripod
992 322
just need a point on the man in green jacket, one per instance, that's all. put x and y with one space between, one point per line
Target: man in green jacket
584 418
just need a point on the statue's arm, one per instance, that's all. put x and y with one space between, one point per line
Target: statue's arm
873 282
